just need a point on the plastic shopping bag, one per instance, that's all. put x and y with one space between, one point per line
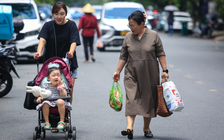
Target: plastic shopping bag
116 97
99 43
172 97
66 59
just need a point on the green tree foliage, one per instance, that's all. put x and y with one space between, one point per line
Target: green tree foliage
220 8
45 1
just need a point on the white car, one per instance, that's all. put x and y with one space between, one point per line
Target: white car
114 21
27 41
180 17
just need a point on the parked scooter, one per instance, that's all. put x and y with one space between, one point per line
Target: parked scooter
7 61
8 49
212 23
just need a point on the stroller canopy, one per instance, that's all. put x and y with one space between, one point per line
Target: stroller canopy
63 66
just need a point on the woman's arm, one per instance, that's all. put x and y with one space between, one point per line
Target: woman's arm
162 60
116 75
72 50
40 47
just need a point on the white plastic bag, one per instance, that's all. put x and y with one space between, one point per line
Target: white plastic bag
66 59
172 97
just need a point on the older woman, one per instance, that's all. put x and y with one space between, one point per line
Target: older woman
140 50
66 36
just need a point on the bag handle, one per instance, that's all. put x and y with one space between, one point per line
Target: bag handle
55 39
163 80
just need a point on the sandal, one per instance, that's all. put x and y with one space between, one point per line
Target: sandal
148 134
61 127
127 132
47 127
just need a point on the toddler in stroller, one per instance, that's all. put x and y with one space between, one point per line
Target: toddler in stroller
55 110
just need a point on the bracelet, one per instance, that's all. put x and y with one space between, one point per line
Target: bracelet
61 87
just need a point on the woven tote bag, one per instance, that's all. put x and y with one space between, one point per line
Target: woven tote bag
162 109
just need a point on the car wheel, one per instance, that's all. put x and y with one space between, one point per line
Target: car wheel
101 49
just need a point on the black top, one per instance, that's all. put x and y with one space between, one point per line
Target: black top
170 17
65 35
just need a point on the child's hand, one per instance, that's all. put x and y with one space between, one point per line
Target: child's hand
61 83
39 99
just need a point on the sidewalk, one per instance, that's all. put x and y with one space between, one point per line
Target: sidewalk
218 35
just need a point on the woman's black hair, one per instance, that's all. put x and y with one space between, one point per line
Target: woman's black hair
57 6
137 16
52 69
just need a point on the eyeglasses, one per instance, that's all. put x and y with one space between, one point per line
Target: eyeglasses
131 27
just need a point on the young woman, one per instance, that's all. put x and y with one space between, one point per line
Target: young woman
67 38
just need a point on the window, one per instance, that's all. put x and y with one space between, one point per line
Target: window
119 13
23 11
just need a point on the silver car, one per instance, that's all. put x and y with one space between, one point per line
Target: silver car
114 21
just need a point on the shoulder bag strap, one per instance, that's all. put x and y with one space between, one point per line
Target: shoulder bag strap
55 39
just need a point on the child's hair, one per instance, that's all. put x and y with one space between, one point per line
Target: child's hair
52 69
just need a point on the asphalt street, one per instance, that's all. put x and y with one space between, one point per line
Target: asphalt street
195 66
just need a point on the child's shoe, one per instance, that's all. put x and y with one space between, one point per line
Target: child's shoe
61 127
47 127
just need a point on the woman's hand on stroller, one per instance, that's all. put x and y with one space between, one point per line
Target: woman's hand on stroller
39 99
37 55
69 55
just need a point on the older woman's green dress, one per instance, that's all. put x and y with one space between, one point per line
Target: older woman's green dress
141 72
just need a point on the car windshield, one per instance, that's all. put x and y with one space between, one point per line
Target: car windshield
23 11
119 13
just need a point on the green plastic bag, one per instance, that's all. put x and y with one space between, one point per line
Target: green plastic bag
116 97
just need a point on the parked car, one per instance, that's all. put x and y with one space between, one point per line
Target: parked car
75 13
46 9
114 21
28 12
180 17
98 12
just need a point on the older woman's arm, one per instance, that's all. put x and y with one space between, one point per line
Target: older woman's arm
162 60
116 75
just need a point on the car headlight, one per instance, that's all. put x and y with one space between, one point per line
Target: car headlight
106 30
32 33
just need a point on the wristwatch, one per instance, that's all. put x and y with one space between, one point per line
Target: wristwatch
166 71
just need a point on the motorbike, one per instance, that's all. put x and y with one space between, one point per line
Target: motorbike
213 23
8 59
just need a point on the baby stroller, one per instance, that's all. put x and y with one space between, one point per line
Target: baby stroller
54 116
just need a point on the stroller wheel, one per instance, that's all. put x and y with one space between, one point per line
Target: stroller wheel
66 135
74 128
43 132
34 135
74 134
42 136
